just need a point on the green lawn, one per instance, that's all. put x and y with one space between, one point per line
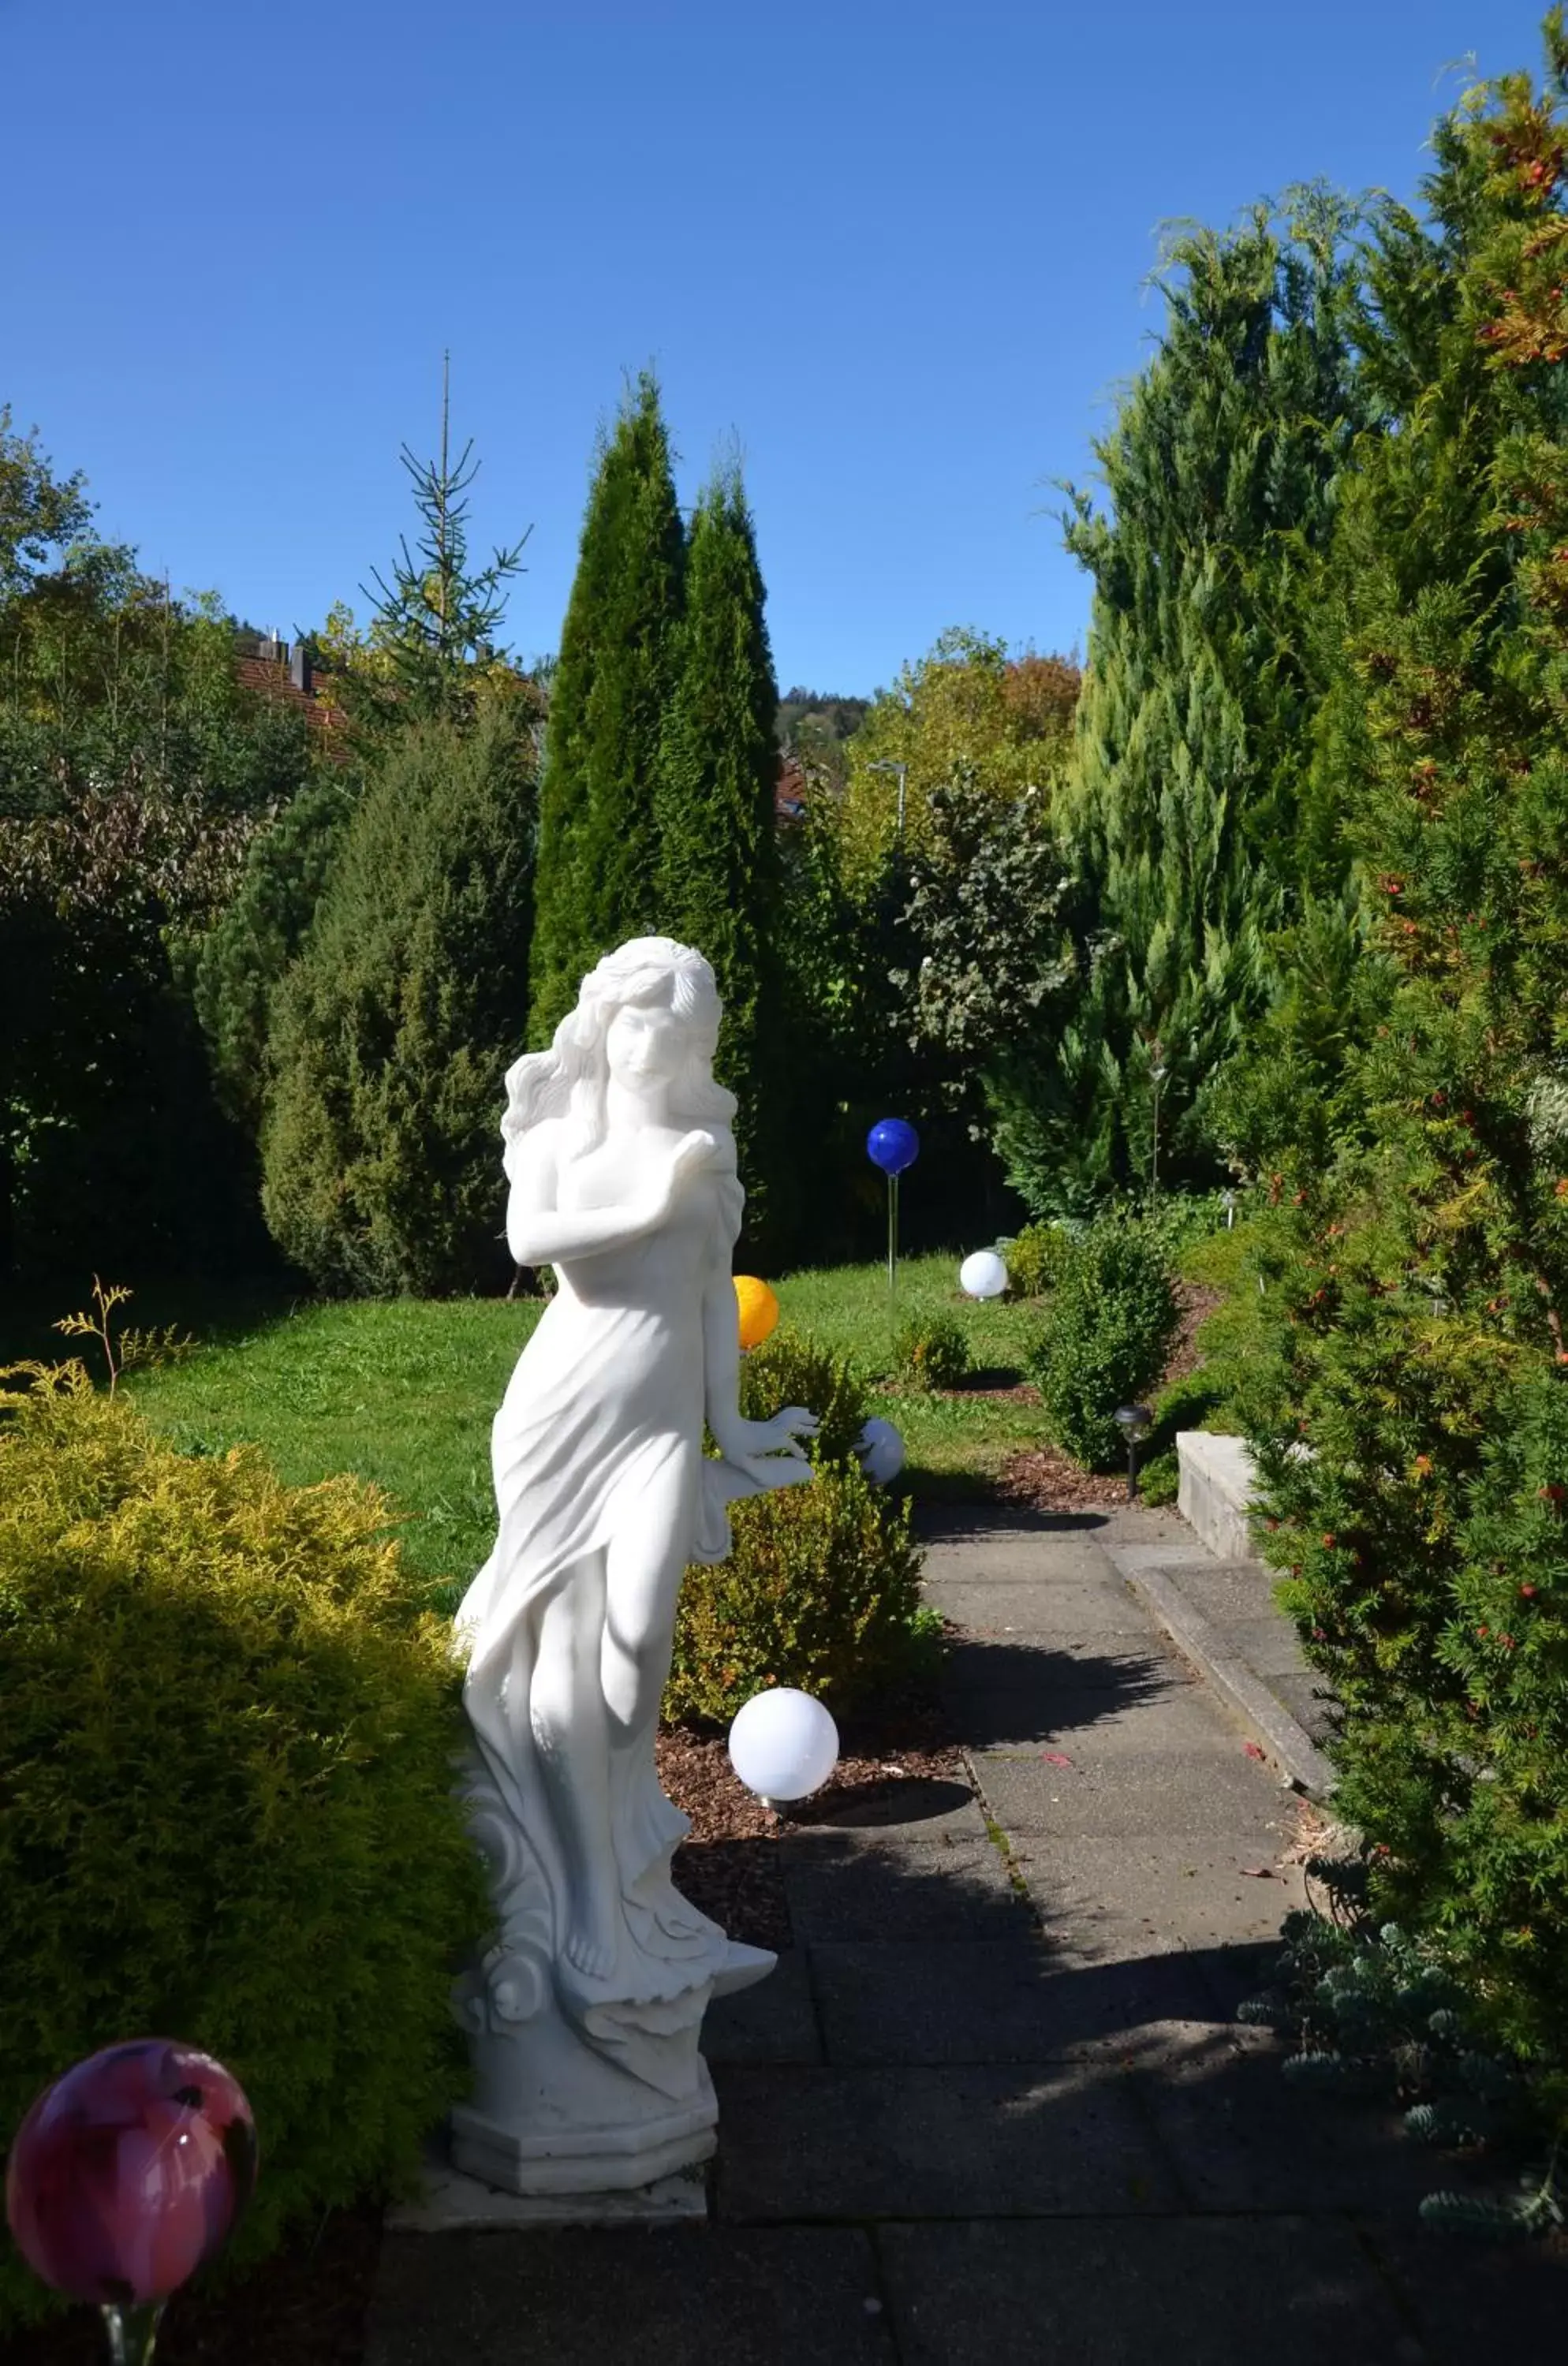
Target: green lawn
957 1442
402 1391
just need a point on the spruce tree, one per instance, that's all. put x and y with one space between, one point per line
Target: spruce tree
245 956
598 859
1194 727
391 1033
434 636
719 869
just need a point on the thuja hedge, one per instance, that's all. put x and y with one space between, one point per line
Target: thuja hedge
226 1737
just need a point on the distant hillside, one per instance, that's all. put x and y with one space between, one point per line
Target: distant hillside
818 720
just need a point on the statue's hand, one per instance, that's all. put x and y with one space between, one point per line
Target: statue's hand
693 1154
767 1451
779 1435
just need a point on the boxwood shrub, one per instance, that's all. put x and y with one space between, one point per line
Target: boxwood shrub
822 1588
1112 1323
932 1352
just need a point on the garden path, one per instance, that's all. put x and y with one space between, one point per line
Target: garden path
993 2106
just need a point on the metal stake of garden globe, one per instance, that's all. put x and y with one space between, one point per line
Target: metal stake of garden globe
893 1240
892 1144
1134 1421
133 2333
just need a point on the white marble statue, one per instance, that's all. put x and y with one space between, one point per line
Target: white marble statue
584 2017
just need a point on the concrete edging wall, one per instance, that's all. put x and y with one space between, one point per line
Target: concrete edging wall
1215 1493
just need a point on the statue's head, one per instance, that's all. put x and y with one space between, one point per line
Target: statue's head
647 1011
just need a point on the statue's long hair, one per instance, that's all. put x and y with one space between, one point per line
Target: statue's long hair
571 1079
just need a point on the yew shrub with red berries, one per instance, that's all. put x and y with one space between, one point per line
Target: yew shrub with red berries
1410 1117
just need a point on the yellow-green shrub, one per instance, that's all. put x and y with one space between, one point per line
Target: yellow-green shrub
791 1369
932 1352
1034 1258
822 1592
227 1730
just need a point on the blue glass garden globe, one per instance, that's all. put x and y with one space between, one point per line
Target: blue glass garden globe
893 1144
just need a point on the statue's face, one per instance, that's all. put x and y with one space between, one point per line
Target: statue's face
646 1046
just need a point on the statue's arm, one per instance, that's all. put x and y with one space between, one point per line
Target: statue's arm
721 1363
768 1451
538 1231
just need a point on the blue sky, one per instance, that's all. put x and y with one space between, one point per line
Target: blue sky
897 252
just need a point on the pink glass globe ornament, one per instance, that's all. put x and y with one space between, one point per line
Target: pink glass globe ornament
126 2175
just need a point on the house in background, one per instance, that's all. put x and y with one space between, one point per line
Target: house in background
282 671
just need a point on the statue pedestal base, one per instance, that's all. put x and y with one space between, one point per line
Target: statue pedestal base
552 2113
450 2202
585 2161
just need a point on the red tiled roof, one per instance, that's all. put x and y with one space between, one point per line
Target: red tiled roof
270 678
789 790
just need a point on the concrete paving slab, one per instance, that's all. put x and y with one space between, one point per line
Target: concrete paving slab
1002 2001
918 1812
1056 1717
747 2296
1298 1695
956 1889
1031 2140
1474 2301
1029 1560
1132 1897
1118 1663
773 2022
1267 1644
1174 1554
1241 2139
1212 1795
1205 2292
1188 1719
1040 1613
1224 1589
1219 1652
1052 1537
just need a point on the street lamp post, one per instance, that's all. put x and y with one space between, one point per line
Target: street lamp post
886 764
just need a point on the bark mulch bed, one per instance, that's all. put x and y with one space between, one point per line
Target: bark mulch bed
1197 1302
1046 1480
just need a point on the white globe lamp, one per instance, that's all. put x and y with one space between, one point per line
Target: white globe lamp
784 1745
983 1275
880 1450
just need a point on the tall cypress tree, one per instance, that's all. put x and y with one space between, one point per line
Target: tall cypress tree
718 868
1194 721
598 855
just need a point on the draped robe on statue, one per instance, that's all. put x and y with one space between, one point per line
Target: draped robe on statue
600 1430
